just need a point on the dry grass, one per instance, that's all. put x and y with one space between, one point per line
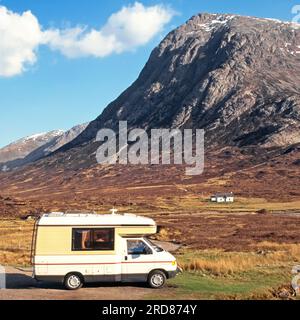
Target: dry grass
280 250
15 242
16 235
223 265
217 262
194 201
252 205
166 234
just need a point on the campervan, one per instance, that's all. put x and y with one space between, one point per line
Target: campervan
77 248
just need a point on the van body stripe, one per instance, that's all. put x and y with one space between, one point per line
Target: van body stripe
96 263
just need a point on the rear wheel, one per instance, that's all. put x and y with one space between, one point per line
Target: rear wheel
73 281
157 279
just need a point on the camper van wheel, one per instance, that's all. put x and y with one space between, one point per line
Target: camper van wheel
73 281
157 279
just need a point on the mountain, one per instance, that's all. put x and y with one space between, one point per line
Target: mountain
36 146
236 77
23 147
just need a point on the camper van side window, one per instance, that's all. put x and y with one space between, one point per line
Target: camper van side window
103 239
93 239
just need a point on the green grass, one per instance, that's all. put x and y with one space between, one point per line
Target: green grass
258 278
249 285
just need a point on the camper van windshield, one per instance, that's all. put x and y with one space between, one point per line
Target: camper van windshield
154 246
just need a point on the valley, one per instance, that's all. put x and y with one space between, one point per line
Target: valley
224 256
236 78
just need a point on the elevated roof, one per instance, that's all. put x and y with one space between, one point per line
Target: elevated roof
92 219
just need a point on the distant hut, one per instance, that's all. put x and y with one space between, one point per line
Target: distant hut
222 197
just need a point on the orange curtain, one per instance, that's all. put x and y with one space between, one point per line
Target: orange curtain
84 239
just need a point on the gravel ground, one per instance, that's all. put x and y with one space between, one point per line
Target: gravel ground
20 286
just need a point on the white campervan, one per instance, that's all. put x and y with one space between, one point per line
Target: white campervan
78 248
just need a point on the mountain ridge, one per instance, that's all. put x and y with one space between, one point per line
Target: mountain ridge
47 143
23 146
217 86
238 78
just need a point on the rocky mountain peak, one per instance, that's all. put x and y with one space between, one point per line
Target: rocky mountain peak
236 77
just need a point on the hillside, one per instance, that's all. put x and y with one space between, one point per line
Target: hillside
33 148
236 77
23 147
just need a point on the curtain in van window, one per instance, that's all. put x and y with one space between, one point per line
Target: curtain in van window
86 239
82 239
103 239
93 239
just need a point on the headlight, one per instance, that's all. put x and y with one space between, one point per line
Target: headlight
174 263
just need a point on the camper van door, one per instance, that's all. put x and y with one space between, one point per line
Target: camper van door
137 261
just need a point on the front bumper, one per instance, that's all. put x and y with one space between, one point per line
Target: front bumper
173 274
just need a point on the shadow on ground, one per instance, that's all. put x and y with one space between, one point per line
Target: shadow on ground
23 281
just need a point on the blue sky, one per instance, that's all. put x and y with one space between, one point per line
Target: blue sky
61 89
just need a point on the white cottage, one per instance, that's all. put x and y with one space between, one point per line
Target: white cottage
222 197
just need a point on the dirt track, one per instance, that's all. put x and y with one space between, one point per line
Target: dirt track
20 286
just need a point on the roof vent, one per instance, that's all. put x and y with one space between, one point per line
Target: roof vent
113 211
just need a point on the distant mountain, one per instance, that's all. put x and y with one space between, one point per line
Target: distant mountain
33 148
23 147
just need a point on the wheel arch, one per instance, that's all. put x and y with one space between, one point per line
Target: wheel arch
159 269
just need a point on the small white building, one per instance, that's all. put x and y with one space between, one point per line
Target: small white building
222 197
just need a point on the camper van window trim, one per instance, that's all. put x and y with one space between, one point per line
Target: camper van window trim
93 229
153 246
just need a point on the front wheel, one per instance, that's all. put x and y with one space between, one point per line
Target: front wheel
157 279
73 281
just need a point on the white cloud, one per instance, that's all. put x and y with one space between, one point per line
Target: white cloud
76 42
131 27
20 35
136 25
125 30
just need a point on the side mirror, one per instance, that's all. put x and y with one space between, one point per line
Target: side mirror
148 251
